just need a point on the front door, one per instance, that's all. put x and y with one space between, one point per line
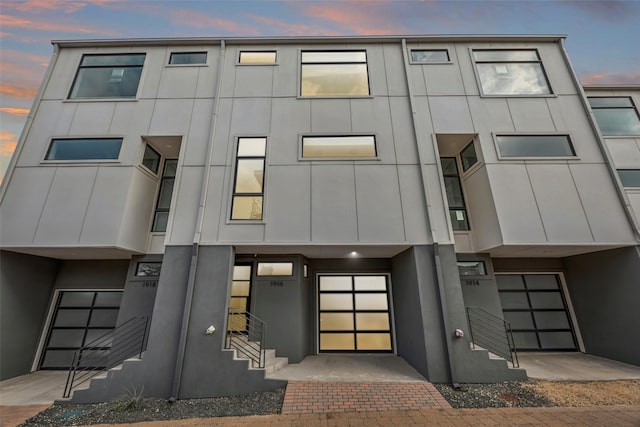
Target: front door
353 313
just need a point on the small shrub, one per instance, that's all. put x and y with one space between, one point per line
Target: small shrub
130 401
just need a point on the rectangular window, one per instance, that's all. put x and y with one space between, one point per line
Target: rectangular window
511 72
161 216
425 56
108 76
455 198
629 177
188 58
615 115
342 73
468 157
472 268
151 159
535 146
84 149
257 57
275 269
338 147
148 268
248 187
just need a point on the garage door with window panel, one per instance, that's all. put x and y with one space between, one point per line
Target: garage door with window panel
354 314
535 307
79 318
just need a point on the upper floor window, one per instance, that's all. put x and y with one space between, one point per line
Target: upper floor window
84 149
425 56
248 188
455 197
161 215
629 177
535 146
257 57
615 115
511 72
108 76
338 146
334 73
468 157
151 159
188 58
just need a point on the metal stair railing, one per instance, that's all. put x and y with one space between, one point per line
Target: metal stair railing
492 333
245 334
107 351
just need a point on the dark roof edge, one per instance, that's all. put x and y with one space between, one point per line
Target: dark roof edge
612 86
300 40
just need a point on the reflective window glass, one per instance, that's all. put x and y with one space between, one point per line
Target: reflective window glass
108 76
511 72
541 281
370 283
514 300
616 116
249 175
184 58
151 159
468 157
455 197
509 281
334 74
336 301
257 57
247 207
165 194
335 283
535 146
76 299
338 146
332 341
369 341
242 272
471 268
275 269
148 269
429 55
372 321
84 149
629 177
336 322
371 301
108 299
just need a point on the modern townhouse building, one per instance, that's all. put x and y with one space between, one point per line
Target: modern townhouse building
353 194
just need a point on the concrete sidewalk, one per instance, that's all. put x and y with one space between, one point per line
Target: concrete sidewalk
612 416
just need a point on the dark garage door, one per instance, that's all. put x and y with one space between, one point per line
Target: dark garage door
79 318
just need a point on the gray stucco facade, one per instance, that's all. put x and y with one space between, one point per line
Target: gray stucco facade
433 218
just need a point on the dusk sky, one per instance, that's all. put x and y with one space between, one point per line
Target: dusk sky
603 36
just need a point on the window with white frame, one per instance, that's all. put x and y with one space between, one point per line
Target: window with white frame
426 56
336 147
511 72
334 73
535 146
188 58
84 149
257 57
248 186
615 115
108 76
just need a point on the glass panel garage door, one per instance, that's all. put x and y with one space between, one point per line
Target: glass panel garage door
536 308
354 314
79 318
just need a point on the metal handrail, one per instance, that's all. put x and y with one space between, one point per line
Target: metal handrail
245 333
492 333
107 351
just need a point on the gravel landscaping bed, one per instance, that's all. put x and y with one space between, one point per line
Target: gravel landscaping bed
131 410
500 395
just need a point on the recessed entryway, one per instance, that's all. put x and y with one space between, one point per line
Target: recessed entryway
354 314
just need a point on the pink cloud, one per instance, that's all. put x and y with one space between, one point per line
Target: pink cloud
198 20
67 6
8 141
277 26
44 25
18 90
611 77
359 17
15 111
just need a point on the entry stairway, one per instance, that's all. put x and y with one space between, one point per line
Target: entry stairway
272 363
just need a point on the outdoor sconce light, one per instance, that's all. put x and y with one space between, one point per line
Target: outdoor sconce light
459 333
210 330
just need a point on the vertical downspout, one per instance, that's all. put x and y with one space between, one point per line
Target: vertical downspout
601 144
204 186
27 126
436 253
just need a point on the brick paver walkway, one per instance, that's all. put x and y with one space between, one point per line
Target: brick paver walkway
312 397
13 415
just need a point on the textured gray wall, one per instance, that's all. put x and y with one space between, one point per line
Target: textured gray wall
25 289
605 291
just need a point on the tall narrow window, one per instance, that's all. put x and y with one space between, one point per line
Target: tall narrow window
342 73
161 216
511 72
615 115
457 209
248 187
108 76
